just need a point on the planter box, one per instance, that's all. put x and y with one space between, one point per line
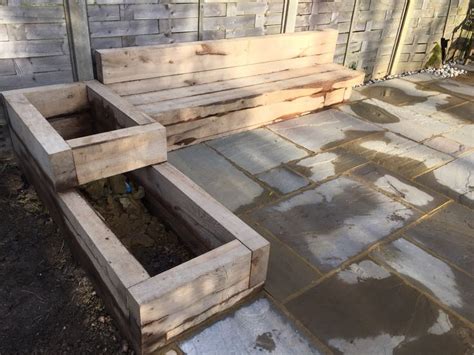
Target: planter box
150 311
82 132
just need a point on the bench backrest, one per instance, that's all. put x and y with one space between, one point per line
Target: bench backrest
137 63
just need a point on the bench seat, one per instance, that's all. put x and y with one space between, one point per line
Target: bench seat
205 104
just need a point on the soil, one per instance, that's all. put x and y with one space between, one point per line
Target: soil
119 202
47 304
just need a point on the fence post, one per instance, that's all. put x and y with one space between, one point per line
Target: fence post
290 12
79 41
402 33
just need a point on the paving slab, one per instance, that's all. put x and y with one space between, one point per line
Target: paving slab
464 136
288 272
464 112
455 179
413 124
364 309
399 187
413 96
323 130
333 222
446 145
448 233
258 150
450 286
401 155
398 92
255 328
422 78
328 164
283 180
217 176
453 87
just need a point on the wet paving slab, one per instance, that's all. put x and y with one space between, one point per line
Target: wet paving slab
217 176
283 180
398 154
288 272
398 92
329 164
452 87
323 130
422 78
255 328
336 188
258 150
448 233
365 309
455 179
410 123
399 187
328 224
451 287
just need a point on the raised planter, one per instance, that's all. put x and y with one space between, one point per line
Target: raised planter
232 260
67 135
82 132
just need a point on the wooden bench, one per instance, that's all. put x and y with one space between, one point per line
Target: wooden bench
203 90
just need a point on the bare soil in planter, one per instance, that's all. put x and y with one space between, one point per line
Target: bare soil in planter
119 202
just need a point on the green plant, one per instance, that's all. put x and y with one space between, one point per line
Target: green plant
436 58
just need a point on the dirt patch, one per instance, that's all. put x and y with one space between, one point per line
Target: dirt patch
119 202
47 304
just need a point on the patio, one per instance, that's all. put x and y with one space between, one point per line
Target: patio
368 208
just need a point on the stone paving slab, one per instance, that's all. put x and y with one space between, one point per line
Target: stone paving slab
217 176
287 271
463 112
283 180
365 309
448 233
413 124
410 96
398 92
464 136
258 150
398 154
446 145
422 78
453 87
399 187
450 286
333 222
455 179
328 164
255 328
323 130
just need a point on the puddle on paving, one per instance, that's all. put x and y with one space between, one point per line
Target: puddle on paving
366 310
373 113
428 101
394 96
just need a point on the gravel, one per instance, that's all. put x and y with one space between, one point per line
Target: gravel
448 70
